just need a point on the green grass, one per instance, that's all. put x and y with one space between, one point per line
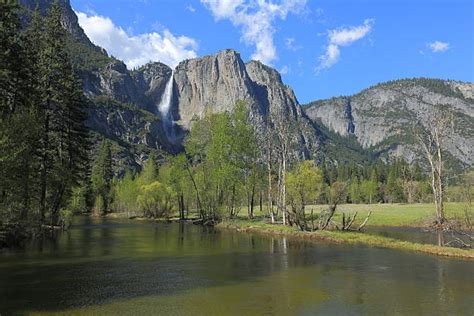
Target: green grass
257 226
413 215
395 215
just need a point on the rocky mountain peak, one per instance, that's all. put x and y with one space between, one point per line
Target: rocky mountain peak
69 18
218 81
261 73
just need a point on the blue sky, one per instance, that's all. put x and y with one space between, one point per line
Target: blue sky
322 48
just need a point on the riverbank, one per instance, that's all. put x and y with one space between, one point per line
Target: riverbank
340 237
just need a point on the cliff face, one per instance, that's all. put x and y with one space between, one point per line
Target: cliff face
382 117
142 87
216 81
219 81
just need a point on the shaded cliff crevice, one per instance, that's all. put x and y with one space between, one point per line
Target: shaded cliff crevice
349 117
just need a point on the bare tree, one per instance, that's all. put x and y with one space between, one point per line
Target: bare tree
269 148
338 193
284 140
431 140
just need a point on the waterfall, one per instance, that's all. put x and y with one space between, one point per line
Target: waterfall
164 108
165 102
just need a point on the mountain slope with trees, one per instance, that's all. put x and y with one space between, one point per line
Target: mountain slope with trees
383 118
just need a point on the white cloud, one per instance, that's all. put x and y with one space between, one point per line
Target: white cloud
341 37
290 43
320 16
190 8
285 70
139 49
438 46
256 19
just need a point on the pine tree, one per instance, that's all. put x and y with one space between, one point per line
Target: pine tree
17 96
63 145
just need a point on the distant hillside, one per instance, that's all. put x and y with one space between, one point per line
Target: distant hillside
381 117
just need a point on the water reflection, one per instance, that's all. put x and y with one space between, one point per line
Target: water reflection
413 234
111 266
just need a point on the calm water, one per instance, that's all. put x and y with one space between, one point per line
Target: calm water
116 267
412 234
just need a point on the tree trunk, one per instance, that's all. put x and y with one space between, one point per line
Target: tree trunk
44 169
270 198
283 191
252 200
26 189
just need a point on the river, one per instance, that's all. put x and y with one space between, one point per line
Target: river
113 267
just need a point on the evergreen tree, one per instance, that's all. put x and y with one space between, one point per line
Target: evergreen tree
17 95
63 145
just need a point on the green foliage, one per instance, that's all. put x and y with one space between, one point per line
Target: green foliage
156 200
63 149
43 143
17 110
126 191
396 181
223 164
84 57
369 190
152 193
304 183
101 176
355 194
78 200
65 217
149 172
394 191
99 205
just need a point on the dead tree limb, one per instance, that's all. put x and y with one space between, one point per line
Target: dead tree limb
349 223
365 221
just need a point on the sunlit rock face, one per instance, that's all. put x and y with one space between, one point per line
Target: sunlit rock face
217 82
382 117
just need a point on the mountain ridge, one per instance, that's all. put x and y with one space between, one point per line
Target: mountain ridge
124 104
382 116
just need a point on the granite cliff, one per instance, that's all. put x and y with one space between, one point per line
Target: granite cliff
381 118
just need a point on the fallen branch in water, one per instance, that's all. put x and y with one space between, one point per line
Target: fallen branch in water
51 227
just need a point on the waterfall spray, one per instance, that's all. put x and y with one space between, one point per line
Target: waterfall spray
164 108
165 102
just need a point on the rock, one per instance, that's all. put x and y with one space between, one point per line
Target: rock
382 117
216 81
219 81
